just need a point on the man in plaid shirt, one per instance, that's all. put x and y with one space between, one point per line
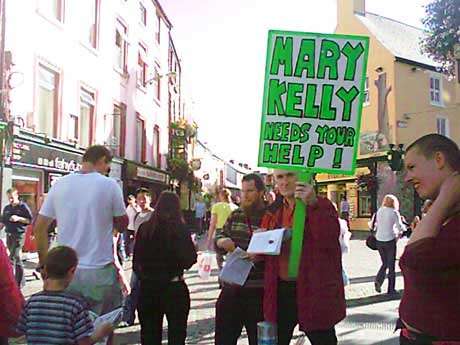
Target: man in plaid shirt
239 306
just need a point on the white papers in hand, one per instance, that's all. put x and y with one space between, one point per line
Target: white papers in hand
237 267
114 317
266 242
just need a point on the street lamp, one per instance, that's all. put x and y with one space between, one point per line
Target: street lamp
395 157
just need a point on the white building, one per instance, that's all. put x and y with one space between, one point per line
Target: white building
94 72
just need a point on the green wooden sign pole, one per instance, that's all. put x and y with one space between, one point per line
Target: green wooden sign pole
300 215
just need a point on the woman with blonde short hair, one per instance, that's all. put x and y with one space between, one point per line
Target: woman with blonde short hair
389 227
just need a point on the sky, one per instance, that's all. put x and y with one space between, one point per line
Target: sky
222 47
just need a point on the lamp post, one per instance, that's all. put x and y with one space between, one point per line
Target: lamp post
395 157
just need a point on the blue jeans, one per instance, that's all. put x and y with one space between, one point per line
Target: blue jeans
131 301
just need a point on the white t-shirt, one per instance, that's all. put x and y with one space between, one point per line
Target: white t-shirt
84 206
131 211
344 238
388 224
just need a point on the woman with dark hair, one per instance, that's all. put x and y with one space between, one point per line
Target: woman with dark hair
163 250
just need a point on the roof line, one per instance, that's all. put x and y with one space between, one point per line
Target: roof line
393 20
163 13
415 63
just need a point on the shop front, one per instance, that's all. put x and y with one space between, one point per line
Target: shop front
138 175
33 166
334 187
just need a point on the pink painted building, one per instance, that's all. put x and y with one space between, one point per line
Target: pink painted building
89 72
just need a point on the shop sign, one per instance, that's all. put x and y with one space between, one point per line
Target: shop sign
151 175
34 155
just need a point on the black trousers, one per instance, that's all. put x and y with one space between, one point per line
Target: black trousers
172 300
237 307
387 251
288 320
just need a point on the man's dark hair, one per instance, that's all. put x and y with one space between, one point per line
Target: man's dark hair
143 190
96 152
59 261
429 144
11 190
258 182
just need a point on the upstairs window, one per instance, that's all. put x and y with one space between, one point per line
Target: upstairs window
142 66
442 126
52 8
366 92
121 46
158 28
140 139
88 21
87 106
156 147
47 94
117 137
435 90
142 14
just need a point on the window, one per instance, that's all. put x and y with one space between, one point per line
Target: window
435 90
140 139
156 147
48 82
52 9
158 29
73 128
142 14
117 137
366 92
121 46
87 104
364 204
442 126
142 66
88 21
156 81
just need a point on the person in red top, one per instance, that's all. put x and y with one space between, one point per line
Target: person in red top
430 307
315 300
11 300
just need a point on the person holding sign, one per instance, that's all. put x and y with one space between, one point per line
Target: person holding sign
242 306
430 306
315 299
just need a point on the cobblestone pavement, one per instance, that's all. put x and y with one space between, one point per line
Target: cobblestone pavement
370 316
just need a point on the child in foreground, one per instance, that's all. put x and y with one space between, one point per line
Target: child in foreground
55 316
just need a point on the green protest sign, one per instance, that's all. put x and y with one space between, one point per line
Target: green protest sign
313 95
311 114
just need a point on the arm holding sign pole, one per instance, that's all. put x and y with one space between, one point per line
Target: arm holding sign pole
300 215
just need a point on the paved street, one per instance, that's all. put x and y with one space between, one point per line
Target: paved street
370 317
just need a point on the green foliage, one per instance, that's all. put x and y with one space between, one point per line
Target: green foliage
179 168
442 21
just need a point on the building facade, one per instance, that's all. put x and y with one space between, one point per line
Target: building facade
405 98
91 72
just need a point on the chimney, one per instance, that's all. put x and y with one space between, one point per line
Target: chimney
359 7
346 9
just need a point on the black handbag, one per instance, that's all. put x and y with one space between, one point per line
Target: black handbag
371 241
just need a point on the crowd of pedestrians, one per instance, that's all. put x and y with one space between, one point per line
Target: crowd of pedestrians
82 275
